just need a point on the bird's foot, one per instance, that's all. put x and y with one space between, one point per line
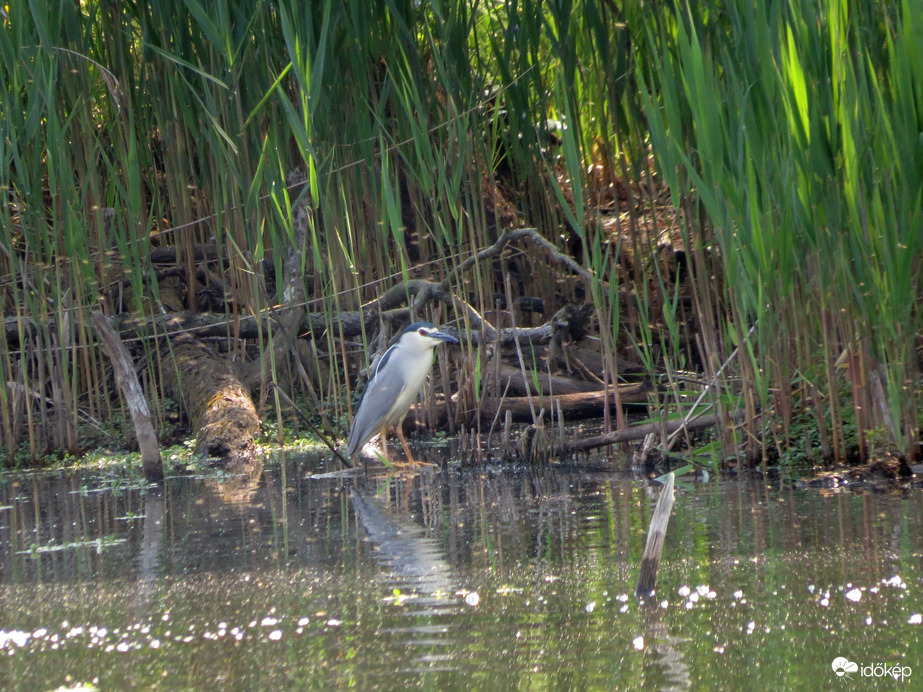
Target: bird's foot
412 464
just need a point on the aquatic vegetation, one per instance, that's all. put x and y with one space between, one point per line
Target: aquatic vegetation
735 186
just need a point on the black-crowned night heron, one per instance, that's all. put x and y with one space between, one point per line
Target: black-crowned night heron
395 383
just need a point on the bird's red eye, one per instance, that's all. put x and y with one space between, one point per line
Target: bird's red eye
422 332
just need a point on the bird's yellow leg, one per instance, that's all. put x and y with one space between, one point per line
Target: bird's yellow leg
400 436
410 460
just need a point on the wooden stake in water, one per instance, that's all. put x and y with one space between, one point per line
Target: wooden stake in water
653 549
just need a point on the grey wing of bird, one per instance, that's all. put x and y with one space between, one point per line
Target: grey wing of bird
379 397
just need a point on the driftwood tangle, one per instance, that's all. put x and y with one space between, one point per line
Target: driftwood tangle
224 417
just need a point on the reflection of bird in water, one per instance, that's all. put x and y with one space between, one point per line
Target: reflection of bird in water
395 383
404 547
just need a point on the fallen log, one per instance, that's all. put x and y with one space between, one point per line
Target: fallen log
222 413
243 326
518 385
576 405
639 432
350 323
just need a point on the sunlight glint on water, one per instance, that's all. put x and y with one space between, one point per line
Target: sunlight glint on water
494 578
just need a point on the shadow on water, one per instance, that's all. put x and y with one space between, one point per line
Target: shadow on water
495 578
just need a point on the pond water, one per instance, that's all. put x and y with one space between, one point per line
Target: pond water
491 579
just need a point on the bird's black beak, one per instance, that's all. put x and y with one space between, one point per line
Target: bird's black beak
442 336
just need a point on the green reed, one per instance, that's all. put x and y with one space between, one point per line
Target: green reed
776 143
801 152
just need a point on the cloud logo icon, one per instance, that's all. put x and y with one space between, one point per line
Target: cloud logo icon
842 666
